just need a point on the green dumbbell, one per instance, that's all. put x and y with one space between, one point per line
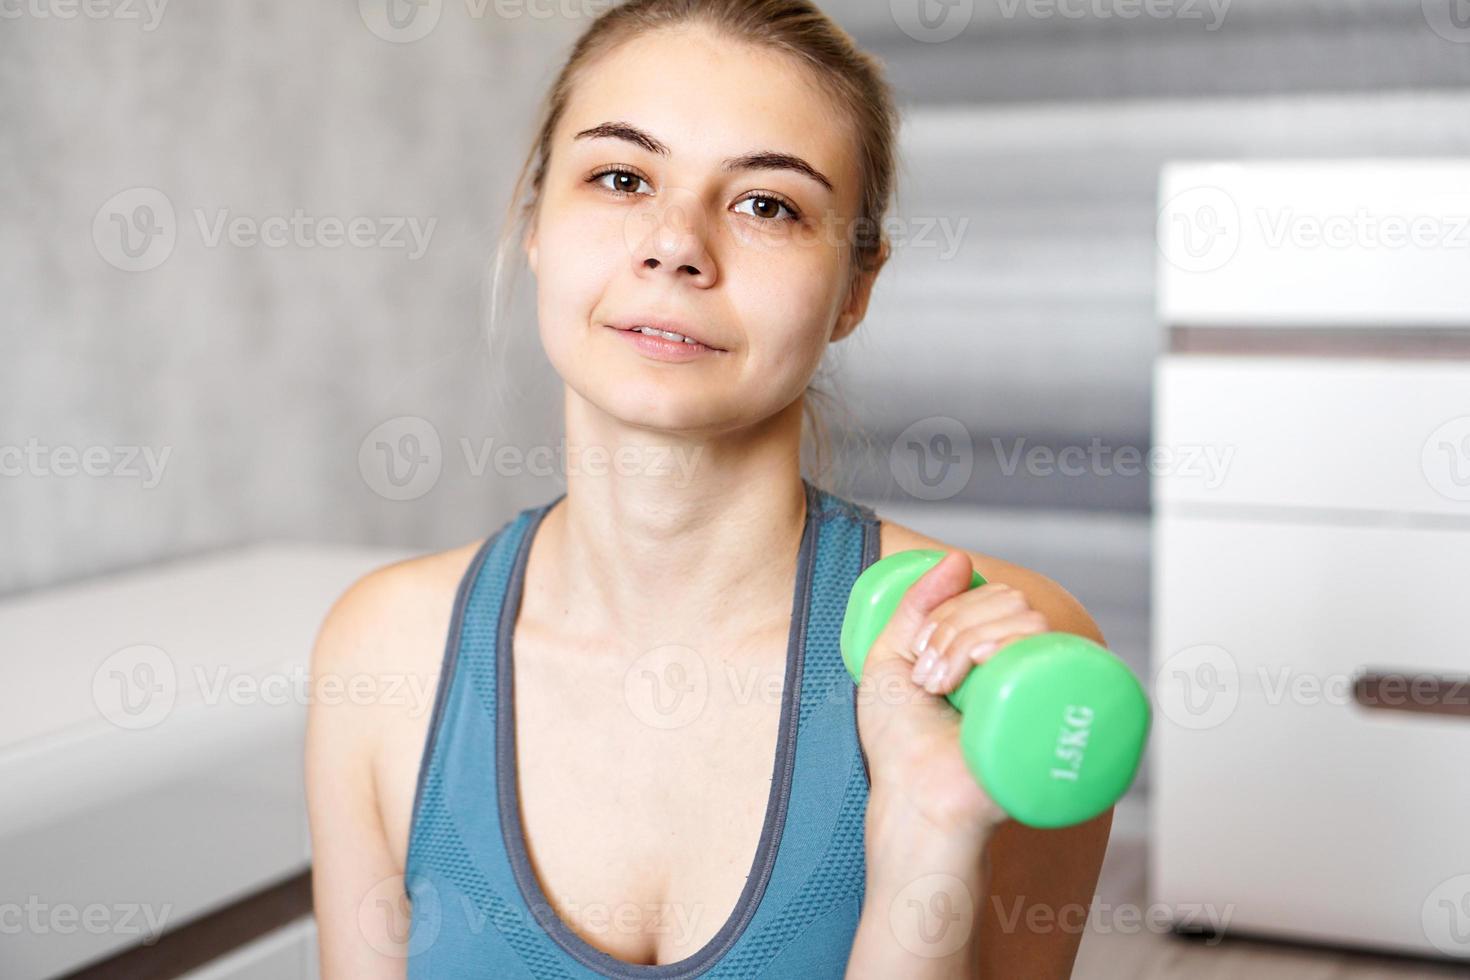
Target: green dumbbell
1054 724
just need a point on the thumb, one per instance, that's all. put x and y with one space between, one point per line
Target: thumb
895 644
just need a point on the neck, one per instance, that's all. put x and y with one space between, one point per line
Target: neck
672 538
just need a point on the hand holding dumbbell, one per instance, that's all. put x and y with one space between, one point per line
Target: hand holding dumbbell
1054 724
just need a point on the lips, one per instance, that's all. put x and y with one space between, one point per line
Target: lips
664 323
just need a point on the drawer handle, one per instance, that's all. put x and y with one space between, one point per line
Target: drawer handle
1434 694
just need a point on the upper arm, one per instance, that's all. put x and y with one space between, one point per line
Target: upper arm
357 891
1041 882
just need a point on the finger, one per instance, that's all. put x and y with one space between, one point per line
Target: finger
994 600
949 576
974 646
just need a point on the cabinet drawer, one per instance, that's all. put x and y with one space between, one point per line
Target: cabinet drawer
1277 794
1334 433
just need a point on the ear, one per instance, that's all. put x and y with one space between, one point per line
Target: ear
528 244
857 300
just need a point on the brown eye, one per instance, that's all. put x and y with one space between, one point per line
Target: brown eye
769 208
623 181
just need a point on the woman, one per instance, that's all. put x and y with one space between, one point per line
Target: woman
672 775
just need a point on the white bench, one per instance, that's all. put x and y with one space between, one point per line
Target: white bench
151 729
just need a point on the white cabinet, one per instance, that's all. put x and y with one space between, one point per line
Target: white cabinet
1310 768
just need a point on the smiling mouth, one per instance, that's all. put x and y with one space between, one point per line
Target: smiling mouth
670 336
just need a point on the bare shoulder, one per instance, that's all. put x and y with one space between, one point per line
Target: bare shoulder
1062 609
369 621
385 635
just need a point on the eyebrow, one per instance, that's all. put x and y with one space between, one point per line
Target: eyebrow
760 160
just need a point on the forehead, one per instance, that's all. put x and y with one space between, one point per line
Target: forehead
709 98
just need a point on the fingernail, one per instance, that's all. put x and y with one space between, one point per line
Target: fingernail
922 640
981 649
924 666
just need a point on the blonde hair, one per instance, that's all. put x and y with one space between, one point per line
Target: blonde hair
852 77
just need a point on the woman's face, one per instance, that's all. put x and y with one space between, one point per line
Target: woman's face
642 218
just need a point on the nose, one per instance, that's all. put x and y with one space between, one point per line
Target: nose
676 243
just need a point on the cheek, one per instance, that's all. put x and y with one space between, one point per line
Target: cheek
786 301
578 256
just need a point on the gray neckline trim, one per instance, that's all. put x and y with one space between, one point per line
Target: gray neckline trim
764 862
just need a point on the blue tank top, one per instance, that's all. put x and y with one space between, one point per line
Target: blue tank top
478 909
